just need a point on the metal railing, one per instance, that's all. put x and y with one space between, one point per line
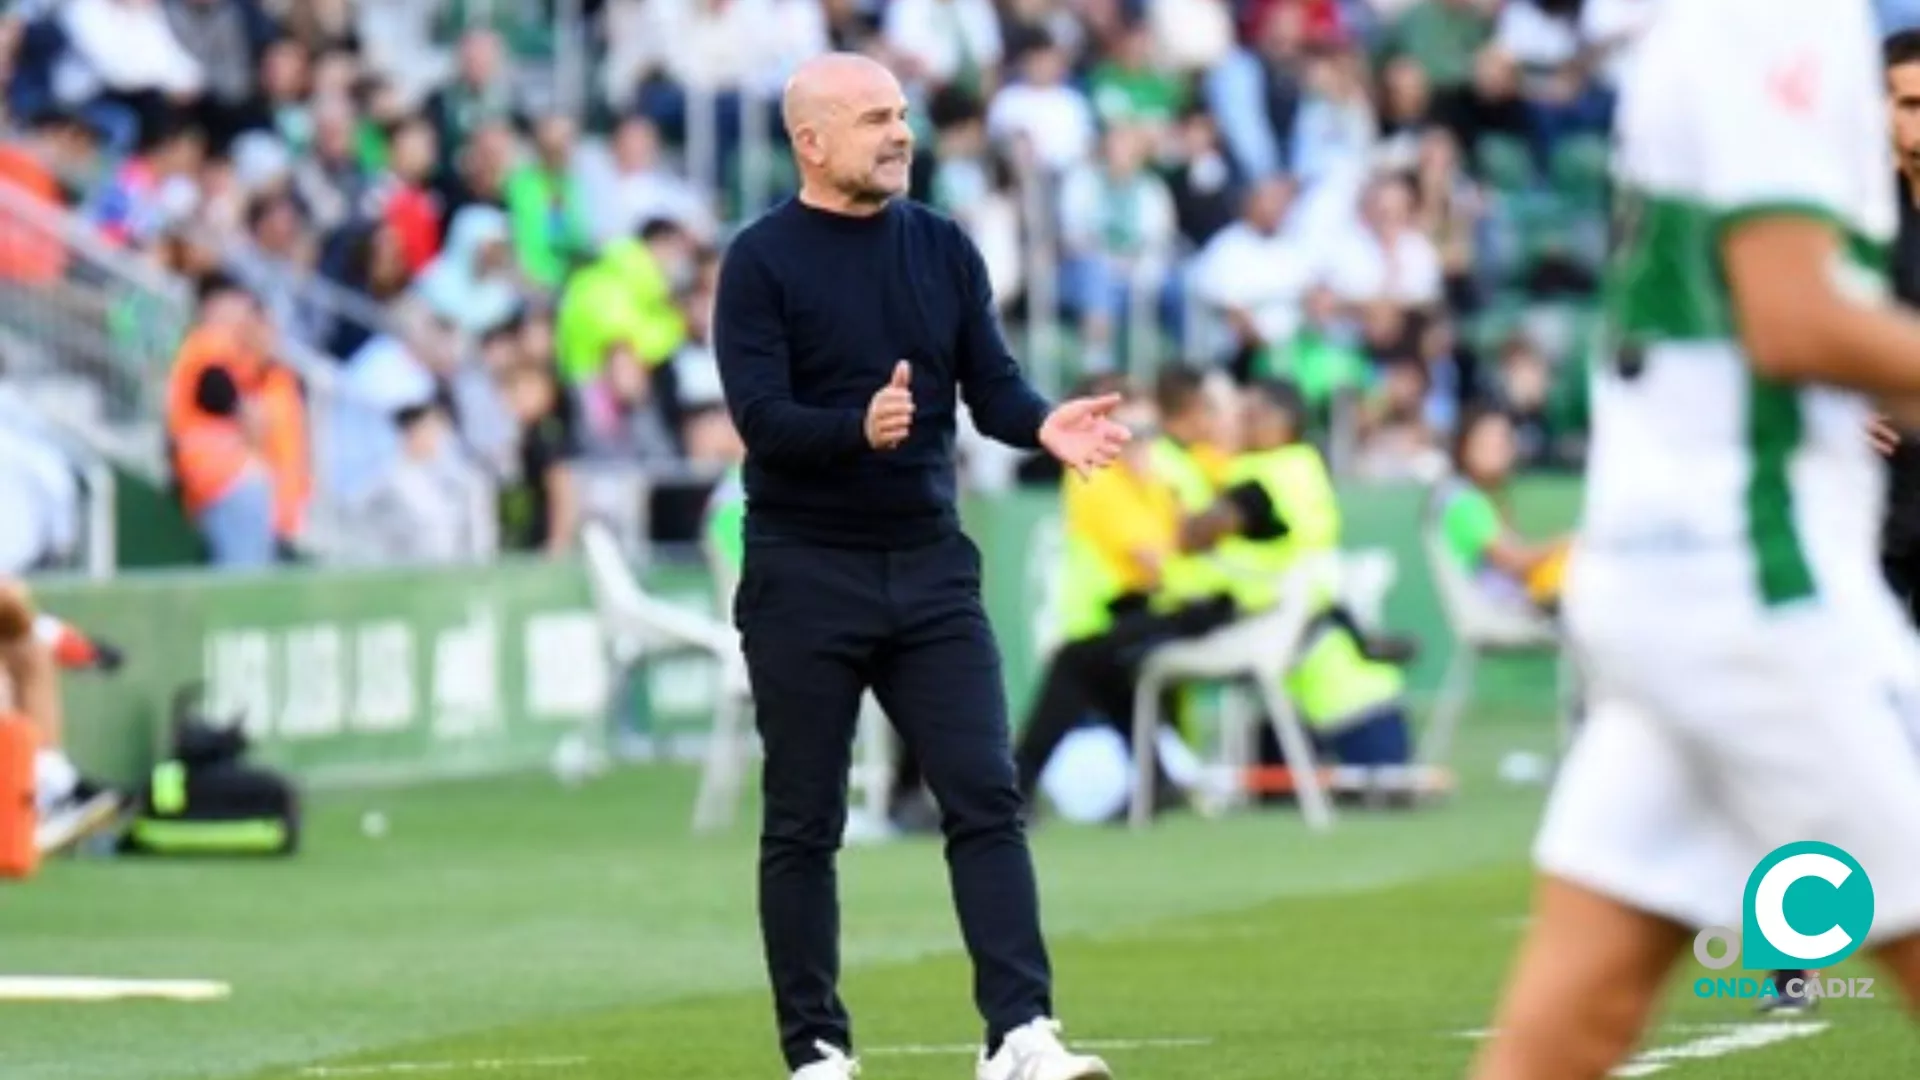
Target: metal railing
92 353
104 324
323 305
95 550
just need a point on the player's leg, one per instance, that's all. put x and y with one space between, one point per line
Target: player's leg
806 618
1586 982
1630 861
69 807
1853 780
29 666
939 678
1902 959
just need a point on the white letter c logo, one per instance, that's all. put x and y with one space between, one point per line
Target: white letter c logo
1769 905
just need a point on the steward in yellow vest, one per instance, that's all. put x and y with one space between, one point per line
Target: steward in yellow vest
1121 531
1191 458
1279 506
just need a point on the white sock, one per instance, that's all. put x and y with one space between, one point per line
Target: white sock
54 777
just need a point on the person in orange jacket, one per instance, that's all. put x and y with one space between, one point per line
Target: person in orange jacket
215 428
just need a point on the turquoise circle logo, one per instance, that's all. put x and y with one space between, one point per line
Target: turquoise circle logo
1808 905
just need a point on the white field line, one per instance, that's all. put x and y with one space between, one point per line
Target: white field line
399 1068
926 1050
87 988
1710 1041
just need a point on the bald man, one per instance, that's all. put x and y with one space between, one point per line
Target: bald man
849 326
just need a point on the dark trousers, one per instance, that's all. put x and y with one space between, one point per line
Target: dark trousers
1096 676
1903 575
819 626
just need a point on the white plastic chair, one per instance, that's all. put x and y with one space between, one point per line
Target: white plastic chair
641 628
1262 649
1480 627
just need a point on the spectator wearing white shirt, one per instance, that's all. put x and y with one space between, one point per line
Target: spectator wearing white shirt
1045 111
946 42
422 511
1561 97
632 186
1117 234
125 50
1335 126
686 55
1192 35
1607 27
1252 278
1387 261
976 185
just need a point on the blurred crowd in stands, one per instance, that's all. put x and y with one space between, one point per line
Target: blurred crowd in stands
500 223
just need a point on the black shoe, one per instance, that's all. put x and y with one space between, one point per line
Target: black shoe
1789 1004
107 657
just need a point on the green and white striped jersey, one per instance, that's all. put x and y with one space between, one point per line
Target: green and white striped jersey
1737 108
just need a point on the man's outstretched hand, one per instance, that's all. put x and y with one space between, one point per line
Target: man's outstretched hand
1083 435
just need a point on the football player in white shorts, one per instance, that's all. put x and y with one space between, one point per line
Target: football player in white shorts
1752 682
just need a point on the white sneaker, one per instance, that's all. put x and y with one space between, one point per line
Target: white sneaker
1034 1052
73 819
833 1065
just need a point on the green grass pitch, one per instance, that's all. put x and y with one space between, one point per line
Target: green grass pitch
517 930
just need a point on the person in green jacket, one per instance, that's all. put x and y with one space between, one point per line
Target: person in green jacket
547 208
625 297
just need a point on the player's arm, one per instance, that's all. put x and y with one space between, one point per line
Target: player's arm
750 349
1004 406
1799 322
1515 557
1778 138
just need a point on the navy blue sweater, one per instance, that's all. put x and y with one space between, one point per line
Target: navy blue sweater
814 310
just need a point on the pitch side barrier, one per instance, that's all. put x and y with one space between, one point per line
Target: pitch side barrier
357 676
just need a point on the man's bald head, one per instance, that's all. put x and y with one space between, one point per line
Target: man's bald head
846 117
826 83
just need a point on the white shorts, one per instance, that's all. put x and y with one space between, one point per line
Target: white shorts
1718 731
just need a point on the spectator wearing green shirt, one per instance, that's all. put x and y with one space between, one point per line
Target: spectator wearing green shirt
1444 37
1324 359
1129 88
1118 236
550 230
1473 520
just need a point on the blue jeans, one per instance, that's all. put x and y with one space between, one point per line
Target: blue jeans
1380 740
1094 286
238 526
1589 114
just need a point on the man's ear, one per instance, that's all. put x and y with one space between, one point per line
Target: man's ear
807 142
